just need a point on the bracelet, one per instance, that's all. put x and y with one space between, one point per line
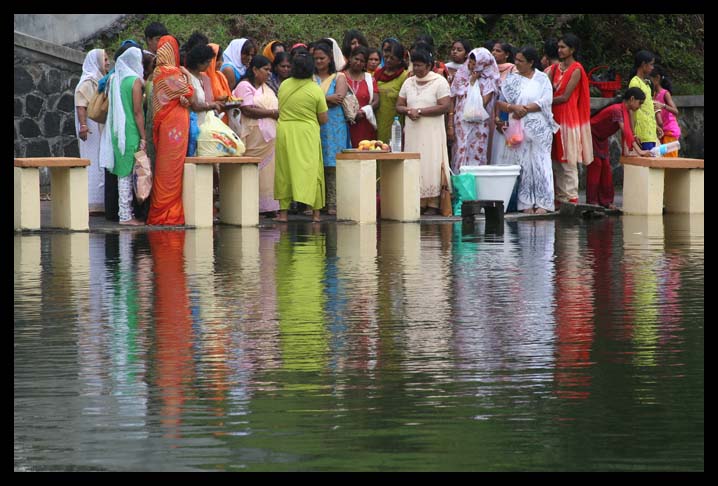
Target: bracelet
83 125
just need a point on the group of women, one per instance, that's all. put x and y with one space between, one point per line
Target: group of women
292 116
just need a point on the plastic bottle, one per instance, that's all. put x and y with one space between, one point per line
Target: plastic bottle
661 150
396 135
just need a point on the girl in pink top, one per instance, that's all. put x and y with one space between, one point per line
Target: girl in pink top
663 102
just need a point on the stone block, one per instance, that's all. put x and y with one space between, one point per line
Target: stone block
51 124
18 108
29 129
197 195
70 208
38 148
66 103
34 105
26 199
68 126
51 82
238 194
683 192
71 149
23 81
356 190
643 190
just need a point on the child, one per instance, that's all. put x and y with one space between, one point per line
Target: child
599 178
663 102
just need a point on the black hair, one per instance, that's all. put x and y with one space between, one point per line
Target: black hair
396 49
247 46
531 55
148 63
302 64
258 61
155 29
372 50
425 38
634 92
220 52
199 54
347 42
196 39
464 43
327 49
420 54
641 57
489 44
276 45
279 58
508 49
550 48
360 50
572 41
665 80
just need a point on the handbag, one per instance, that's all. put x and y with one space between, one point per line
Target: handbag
142 176
98 107
445 196
350 105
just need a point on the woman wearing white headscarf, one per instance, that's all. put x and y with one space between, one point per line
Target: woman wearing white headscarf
88 131
127 125
236 58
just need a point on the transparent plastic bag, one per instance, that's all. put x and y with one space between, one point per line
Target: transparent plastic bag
514 133
474 110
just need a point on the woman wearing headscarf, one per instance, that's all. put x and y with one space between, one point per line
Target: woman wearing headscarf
170 102
88 131
220 86
273 48
471 139
127 125
389 80
236 58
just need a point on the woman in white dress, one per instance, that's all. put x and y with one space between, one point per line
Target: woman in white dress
88 131
527 96
425 98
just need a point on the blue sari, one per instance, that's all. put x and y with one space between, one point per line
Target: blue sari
335 133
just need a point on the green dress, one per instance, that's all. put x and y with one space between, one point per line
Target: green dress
124 163
299 167
645 128
388 94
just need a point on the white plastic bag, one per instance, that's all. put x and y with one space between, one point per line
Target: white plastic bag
235 120
217 140
474 110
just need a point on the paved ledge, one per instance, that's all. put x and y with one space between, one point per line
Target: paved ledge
48 48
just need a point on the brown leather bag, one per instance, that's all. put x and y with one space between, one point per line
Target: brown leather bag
445 196
98 106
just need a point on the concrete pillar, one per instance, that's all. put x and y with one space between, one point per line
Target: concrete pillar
642 190
684 231
197 193
400 189
70 208
683 192
26 198
642 232
199 267
402 240
239 194
356 190
71 262
357 243
27 261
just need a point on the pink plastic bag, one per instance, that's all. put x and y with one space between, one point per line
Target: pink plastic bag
514 133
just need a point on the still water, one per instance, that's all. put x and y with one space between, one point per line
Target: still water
558 345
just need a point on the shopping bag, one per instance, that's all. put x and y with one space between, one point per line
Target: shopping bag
514 133
474 110
142 176
218 140
464 190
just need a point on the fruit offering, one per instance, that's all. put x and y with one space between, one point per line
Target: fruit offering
372 145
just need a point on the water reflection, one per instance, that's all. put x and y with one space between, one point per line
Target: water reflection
389 346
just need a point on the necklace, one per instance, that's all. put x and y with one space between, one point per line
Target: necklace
354 84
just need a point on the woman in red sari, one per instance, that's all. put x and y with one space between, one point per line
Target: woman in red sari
170 101
361 83
572 111
609 120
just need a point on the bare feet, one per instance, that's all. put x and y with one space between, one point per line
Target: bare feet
528 211
316 217
332 212
132 222
282 218
540 211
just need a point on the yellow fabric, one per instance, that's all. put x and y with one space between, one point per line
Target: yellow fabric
645 129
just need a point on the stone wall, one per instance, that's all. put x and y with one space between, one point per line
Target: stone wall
691 120
44 97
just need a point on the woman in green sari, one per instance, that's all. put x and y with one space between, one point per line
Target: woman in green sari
299 166
389 80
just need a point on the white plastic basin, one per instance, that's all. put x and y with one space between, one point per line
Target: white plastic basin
494 182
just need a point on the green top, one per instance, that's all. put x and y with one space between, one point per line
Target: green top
388 94
299 166
645 128
125 163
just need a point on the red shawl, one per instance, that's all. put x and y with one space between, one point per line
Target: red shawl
572 143
379 75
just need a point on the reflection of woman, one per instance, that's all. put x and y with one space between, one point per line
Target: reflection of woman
88 131
572 111
471 139
126 120
527 97
389 80
424 99
299 170
170 99
260 110
357 80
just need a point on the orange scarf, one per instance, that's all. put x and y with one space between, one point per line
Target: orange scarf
220 86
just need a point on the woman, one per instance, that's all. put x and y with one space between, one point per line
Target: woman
612 118
260 110
572 111
527 96
236 58
389 80
424 99
199 59
504 56
299 171
663 101
373 60
366 92
127 126
644 121
335 133
272 49
281 70
352 39
88 131
471 139
170 102
220 85
459 57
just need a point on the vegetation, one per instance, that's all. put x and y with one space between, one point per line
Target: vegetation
610 40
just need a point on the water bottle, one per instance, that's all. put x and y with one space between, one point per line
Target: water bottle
661 150
395 135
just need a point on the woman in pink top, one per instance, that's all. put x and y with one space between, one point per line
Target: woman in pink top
663 102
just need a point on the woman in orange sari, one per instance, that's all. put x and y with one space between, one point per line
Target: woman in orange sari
170 102
220 86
